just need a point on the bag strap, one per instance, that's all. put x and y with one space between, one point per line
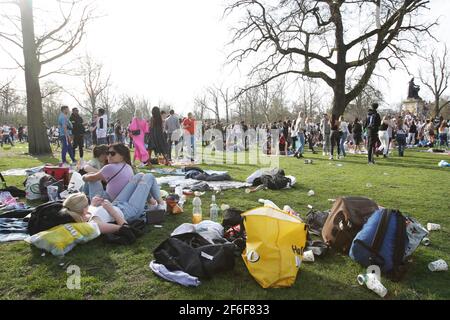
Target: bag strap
399 250
116 174
378 239
381 231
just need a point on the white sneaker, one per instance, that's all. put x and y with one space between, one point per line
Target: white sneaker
324 154
331 158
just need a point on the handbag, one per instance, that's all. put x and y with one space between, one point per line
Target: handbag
136 132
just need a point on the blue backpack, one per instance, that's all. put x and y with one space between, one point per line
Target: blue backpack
382 242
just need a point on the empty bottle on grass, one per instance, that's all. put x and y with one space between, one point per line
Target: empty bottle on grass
197 216
268 203
214 211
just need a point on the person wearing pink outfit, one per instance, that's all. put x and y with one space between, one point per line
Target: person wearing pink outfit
138 129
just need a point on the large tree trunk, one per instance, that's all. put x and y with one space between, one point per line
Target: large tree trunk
437 106
37 131
340 98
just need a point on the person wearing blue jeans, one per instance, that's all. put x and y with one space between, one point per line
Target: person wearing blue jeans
67 148
344 135
132 200
65 127
401 137
301 127
129 206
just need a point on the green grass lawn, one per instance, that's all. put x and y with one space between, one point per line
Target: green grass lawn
414 184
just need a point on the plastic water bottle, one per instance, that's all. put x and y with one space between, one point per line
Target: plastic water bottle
214 211
197 216
268 203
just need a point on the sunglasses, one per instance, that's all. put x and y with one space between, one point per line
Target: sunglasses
112 153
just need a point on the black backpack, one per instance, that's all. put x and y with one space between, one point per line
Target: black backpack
48 216
193 254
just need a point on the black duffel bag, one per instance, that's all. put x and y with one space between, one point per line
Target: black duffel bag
193 254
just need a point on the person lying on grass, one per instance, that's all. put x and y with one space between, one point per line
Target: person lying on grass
129 206
116 174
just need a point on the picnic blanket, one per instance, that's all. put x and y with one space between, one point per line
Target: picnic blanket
180 172
180 181
22 172
13 230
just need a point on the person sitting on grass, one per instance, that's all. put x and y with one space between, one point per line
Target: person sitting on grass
100 159
129 206
117 174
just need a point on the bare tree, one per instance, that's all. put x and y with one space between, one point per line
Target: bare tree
214 97
200 104
319 39
42 50
108 101
9 100
436 78
128 106
51 102
227 100
358 109
310 98
95 87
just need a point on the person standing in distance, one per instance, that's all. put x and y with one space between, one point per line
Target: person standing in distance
65 132
373 123
78 132
102 127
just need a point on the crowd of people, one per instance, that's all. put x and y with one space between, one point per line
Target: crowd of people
163 135
376 135
148 137
9 134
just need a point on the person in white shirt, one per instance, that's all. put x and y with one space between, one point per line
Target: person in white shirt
102 128
344 135
301 128
383 135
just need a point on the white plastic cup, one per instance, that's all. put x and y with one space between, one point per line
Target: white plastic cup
433 227
426 242
439 265
373 284
311 193
308 256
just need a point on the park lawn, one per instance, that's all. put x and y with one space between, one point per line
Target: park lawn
414 184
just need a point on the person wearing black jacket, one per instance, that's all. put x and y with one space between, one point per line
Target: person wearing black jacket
78 131
372 125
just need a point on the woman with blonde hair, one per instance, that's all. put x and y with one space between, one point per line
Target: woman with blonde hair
129 206
138 129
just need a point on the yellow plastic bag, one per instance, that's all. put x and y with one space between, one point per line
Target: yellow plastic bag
275 245
62 239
